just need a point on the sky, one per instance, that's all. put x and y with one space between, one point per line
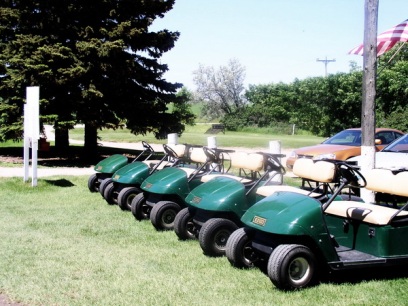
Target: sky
275 40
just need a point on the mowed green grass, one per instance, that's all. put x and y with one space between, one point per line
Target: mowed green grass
63 245
197 135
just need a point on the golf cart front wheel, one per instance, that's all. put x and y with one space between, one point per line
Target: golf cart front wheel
103 185
214 234
184 226
140 210
163 214
108 193
239 250
292 266
92 183
126 196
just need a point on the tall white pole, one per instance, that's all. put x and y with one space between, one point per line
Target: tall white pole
26 144
31 130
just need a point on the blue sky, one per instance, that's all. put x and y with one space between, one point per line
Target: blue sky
275 40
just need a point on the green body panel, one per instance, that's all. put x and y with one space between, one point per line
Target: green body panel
219 194
134 173
169 181
291 214
286 213
111 164
381 241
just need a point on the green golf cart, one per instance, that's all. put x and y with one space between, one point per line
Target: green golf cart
300 238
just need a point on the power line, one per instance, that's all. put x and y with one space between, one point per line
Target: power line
325 61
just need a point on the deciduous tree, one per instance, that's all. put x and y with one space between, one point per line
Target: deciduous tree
221 90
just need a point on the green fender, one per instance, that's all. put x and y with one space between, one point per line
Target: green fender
133 173
111 164
219 194
167 181
291 214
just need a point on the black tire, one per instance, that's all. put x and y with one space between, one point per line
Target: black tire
292 266
163 214
214 234
139 208
126 196
184 227
109 189
103 185
239 250
92 183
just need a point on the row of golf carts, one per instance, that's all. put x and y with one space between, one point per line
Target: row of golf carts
235 205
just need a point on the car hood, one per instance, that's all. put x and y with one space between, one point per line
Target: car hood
322 149
387 160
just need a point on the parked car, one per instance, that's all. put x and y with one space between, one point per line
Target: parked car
343 145
393 157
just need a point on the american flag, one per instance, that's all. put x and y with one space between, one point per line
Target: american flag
387 39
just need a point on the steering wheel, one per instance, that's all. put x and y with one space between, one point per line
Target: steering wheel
147 146
169 151
350 173
273 162
211 154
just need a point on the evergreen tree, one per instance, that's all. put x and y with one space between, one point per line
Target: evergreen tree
96 63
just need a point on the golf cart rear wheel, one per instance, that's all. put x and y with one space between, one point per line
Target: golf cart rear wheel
126 196
139 208
184 226
292 266
103 185
163 214
239 250
214 234
108 193
92 186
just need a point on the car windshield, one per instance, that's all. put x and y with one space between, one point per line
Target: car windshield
399 145
347 138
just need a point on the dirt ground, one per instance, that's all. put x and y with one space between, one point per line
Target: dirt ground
5 301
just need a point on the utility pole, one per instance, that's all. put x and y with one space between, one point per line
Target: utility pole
325 61
369 92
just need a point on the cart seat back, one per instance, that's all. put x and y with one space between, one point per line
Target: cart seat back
384 180
249 161
180 149
197 155
240 160
320 171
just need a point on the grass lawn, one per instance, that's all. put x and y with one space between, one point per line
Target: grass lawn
62 245
197 135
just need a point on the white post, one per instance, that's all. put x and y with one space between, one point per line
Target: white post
367 162
172 139
34 152
31 130
212 142
26 143
275 148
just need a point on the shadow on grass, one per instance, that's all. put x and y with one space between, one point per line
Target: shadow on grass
73 157
60 183
356 275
